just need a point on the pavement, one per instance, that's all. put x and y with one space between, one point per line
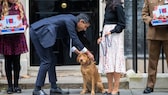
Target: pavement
77 92
70 79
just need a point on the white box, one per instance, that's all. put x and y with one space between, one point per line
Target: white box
11 24
159 22
160 15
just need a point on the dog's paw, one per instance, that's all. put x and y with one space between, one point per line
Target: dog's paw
83 92
92 93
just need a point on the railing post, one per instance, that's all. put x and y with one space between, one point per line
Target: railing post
144 48
162 60
134 34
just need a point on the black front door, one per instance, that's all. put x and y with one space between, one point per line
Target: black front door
45 8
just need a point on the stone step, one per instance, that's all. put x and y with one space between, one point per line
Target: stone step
73 82
68 77
139 80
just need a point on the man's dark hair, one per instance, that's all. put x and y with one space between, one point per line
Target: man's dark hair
83 16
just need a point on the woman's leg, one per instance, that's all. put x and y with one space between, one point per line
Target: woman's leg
116 82
110 82
16 69
8 69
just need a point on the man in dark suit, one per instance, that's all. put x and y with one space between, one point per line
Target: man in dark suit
44 33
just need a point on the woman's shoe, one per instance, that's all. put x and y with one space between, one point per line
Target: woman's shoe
17 90
9 90
118 93
106 93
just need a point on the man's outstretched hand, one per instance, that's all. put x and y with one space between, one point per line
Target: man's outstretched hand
90 55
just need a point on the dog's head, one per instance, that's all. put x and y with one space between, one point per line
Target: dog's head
83 59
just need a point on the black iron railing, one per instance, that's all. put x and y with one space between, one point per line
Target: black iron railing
134 41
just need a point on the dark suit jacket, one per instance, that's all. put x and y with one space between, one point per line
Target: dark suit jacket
60 26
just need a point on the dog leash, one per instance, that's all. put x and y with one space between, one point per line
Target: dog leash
106 44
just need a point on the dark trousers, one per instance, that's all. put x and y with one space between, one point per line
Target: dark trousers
12 62
47 61
154 48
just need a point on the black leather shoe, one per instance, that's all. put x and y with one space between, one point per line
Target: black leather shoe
106 93
9 90
39 92
17 90
58 91
148 90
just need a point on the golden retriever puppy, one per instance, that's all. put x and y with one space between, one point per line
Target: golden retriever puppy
91 78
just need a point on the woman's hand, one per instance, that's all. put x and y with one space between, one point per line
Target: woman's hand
99 40
107 33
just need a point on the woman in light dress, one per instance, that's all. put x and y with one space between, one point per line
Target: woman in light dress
111 57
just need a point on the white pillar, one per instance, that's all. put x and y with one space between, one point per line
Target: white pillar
24 61
101 13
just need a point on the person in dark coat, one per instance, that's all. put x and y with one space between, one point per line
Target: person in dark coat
44 33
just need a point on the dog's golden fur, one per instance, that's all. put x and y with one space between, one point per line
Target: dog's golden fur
91 78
